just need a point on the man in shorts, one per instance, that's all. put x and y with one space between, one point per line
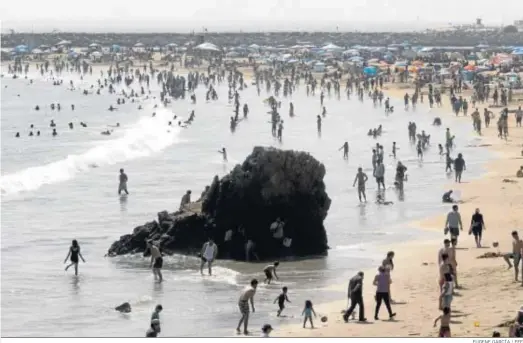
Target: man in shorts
269 271
243 304
517 252
453 224
156 261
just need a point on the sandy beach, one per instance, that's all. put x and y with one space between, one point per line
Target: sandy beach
489 295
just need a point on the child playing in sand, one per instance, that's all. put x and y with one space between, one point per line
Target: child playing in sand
444 329
308 311
281 299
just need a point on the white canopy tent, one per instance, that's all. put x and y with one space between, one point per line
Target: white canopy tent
207 47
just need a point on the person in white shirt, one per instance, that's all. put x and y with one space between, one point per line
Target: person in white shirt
447 292
208 255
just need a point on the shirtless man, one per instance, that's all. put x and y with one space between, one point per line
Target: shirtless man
361 178
517 252
123 183
270 272
156 261
453 260
444 268
243 304
209 253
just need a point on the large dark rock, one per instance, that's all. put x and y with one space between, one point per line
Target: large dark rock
270 183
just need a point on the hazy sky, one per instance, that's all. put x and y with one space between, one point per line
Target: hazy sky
249 15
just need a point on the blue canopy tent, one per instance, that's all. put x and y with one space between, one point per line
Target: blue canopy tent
370 71
21 49
115 48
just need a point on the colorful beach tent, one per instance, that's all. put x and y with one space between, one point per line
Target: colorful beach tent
370 71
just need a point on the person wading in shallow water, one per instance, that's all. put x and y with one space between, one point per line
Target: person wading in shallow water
74 253
243 304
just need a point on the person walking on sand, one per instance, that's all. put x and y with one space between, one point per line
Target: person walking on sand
453 260
123 182
356 292
444 319
447 292
246 296
208 255
382 282
361 178
74 253
459 167
308 311
453 224
515 255
477 225
156 261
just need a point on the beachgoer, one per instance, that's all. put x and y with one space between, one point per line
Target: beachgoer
516 329
281 299
356 294
519 173
444 319
447 197
361 178
74 253
243 304
154 329
345 148
379 174
186 199
447 291
156 260
382 282
515 255
208 255
453 223
269 271
266 330
123 182
477 225
459 167
308 311
155 317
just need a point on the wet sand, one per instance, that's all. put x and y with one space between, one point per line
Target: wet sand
489 294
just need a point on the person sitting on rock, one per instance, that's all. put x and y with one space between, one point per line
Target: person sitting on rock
186 199
446 198
519 173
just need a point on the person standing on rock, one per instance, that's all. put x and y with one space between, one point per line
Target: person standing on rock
243 304
156 261
209 253
186 199
361 178
123 182
224 154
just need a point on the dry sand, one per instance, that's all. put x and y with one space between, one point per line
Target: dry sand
489 296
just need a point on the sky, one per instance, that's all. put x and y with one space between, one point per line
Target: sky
249 15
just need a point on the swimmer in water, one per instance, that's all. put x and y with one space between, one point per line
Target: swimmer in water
224 153
208 255
270 271
243 304
55 133
74 253
123 182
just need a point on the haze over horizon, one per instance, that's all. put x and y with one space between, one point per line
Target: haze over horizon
251 15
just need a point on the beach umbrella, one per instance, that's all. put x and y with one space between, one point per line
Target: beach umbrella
517 52
207 47
20 49
96 54
115 47
331 47
138 45
470 68
63 42
356 59
36 51
172 45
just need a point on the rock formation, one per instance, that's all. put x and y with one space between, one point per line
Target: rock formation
270 184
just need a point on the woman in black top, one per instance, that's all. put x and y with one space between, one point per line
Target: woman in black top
74 252
477 225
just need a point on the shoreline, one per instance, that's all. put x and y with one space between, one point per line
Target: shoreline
415 277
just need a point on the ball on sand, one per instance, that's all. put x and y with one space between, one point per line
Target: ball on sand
324 319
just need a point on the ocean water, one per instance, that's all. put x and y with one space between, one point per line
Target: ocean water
55 189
